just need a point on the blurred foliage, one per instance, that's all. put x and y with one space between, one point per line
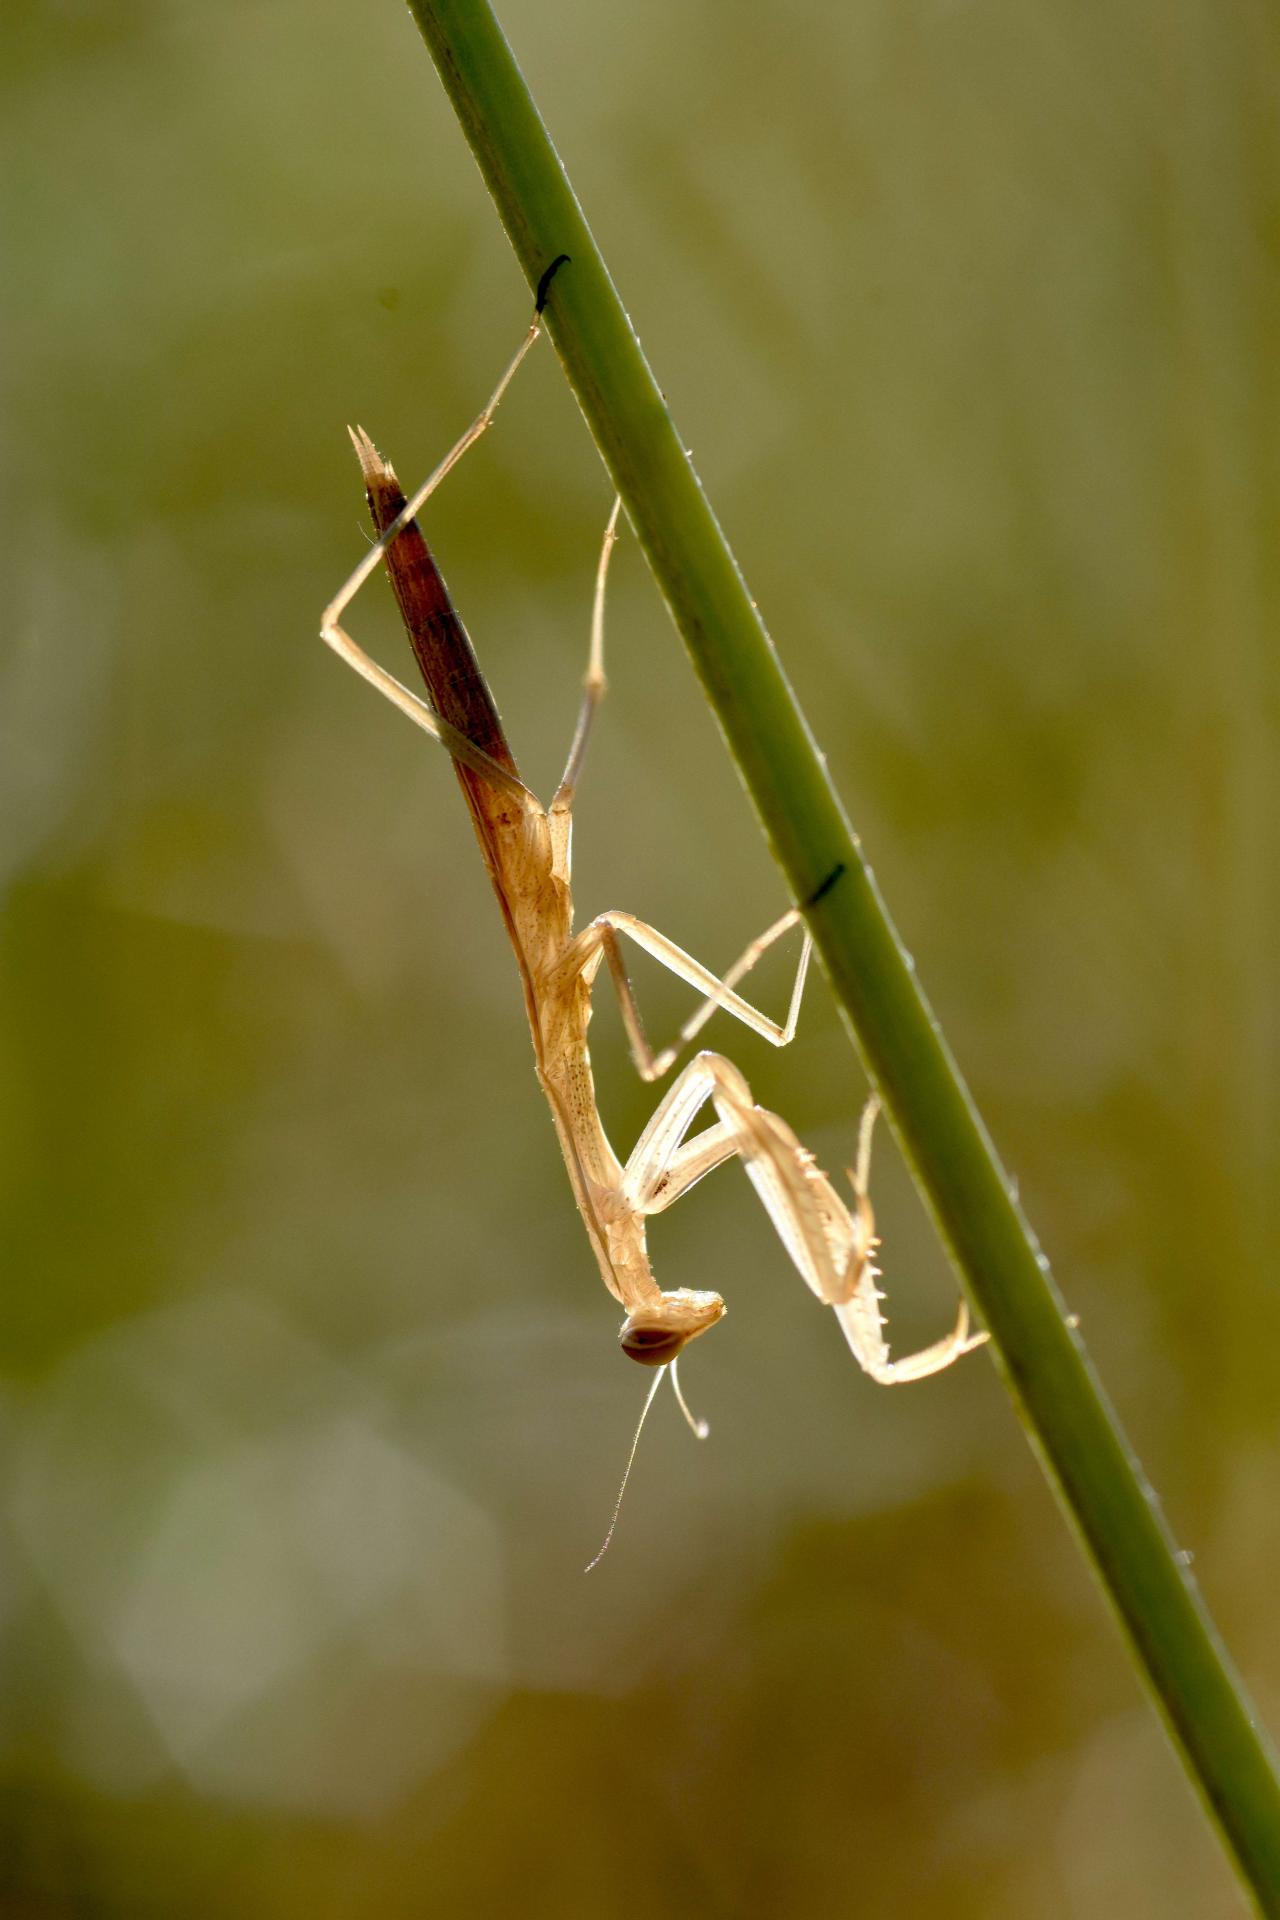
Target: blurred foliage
310 1408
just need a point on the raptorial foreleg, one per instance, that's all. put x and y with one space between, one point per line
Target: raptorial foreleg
832 1247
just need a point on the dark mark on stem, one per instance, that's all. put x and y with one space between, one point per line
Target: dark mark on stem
544 285
826 886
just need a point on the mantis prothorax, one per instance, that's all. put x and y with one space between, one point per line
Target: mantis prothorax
526 848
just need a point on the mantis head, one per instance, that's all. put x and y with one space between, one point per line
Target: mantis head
654 1335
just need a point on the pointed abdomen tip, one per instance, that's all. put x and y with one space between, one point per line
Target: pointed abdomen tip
372 464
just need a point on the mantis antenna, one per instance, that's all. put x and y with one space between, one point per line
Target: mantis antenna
698 1428
626 1471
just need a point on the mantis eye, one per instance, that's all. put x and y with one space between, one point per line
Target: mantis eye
651 1346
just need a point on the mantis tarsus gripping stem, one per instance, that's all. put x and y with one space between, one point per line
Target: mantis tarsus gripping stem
526 848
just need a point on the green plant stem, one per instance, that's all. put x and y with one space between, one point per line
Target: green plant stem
1006 1277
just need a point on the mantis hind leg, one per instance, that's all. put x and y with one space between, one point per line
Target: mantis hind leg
484 419
594 684
335 635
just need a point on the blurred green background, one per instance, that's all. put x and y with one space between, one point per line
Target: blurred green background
311 1411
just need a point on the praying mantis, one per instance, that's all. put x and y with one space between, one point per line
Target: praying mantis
527 849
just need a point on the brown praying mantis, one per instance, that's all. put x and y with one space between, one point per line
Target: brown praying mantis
526 848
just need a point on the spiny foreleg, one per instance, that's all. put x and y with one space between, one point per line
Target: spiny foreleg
832 1247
